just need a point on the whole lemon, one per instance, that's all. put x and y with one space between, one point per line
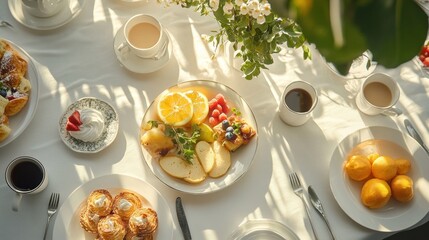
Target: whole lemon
403 166
358 167
371 157
375 193
384 167
402 188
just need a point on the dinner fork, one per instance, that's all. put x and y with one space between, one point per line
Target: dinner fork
52 209
299 191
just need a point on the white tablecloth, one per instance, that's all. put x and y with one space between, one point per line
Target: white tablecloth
77 60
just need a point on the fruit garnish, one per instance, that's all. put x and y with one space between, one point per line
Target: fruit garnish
75 118
424 55
200 104
218 108
206 133
71 127
175 109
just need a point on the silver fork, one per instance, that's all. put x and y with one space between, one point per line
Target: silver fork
299 191
52 209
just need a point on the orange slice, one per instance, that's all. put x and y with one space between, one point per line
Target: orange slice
201 106
175 109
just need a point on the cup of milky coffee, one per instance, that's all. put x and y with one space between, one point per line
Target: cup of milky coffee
298 101
377 95
25 175
144 35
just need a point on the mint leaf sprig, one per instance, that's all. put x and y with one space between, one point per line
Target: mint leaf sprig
184 140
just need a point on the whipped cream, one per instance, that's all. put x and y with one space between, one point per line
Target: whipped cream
139 219
92 125
124 204
99 202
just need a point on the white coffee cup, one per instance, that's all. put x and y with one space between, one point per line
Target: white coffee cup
144 36
377 95
25 175
298 101
43 8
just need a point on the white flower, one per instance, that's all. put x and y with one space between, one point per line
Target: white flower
214 4
239 2
260 19
244 9
253 4
266 9
228 7
256 13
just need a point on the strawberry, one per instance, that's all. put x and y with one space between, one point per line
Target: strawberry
426 62
71 127
75 118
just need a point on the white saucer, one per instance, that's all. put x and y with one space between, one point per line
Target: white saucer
48 23
137 64
111 123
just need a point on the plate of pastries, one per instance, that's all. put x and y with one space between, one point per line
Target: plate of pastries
18 91
114 207
199 136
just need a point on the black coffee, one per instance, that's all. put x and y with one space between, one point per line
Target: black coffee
26 176
299 100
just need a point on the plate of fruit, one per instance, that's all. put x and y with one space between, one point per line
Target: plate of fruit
378 177
198 136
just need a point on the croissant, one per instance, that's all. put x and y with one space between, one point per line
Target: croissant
143 221
4 131
15 105
111 227
125 203
100 202
12 62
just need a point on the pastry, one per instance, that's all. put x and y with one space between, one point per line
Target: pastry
125 203
88 221
111 227
12 62
132 236
143 221
100 202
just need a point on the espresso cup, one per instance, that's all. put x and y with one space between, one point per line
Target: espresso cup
377 95
144 36
298 101
43 8
25 175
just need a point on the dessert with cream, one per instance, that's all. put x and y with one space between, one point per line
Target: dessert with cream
123 216
86 124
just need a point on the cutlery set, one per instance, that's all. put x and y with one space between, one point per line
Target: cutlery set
315 201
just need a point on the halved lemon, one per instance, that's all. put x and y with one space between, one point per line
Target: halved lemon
175 109
201 106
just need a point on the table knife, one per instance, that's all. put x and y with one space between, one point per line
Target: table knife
317 204
182 219
413 133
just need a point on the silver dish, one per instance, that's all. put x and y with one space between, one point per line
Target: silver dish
111 126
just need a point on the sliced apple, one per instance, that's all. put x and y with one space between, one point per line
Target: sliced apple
222 160
206 155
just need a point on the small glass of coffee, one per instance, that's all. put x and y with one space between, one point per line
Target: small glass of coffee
297 103
25 175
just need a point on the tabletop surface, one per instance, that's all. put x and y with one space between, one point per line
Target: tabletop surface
78 60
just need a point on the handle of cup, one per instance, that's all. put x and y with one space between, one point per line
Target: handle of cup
393 112
123 49
16 202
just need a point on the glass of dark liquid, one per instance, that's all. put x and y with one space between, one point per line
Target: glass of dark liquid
297 103
25 175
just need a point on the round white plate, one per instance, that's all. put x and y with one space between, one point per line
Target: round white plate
241 159
20 121
263 229
67 226
48 23
394 216
135 63
111 126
